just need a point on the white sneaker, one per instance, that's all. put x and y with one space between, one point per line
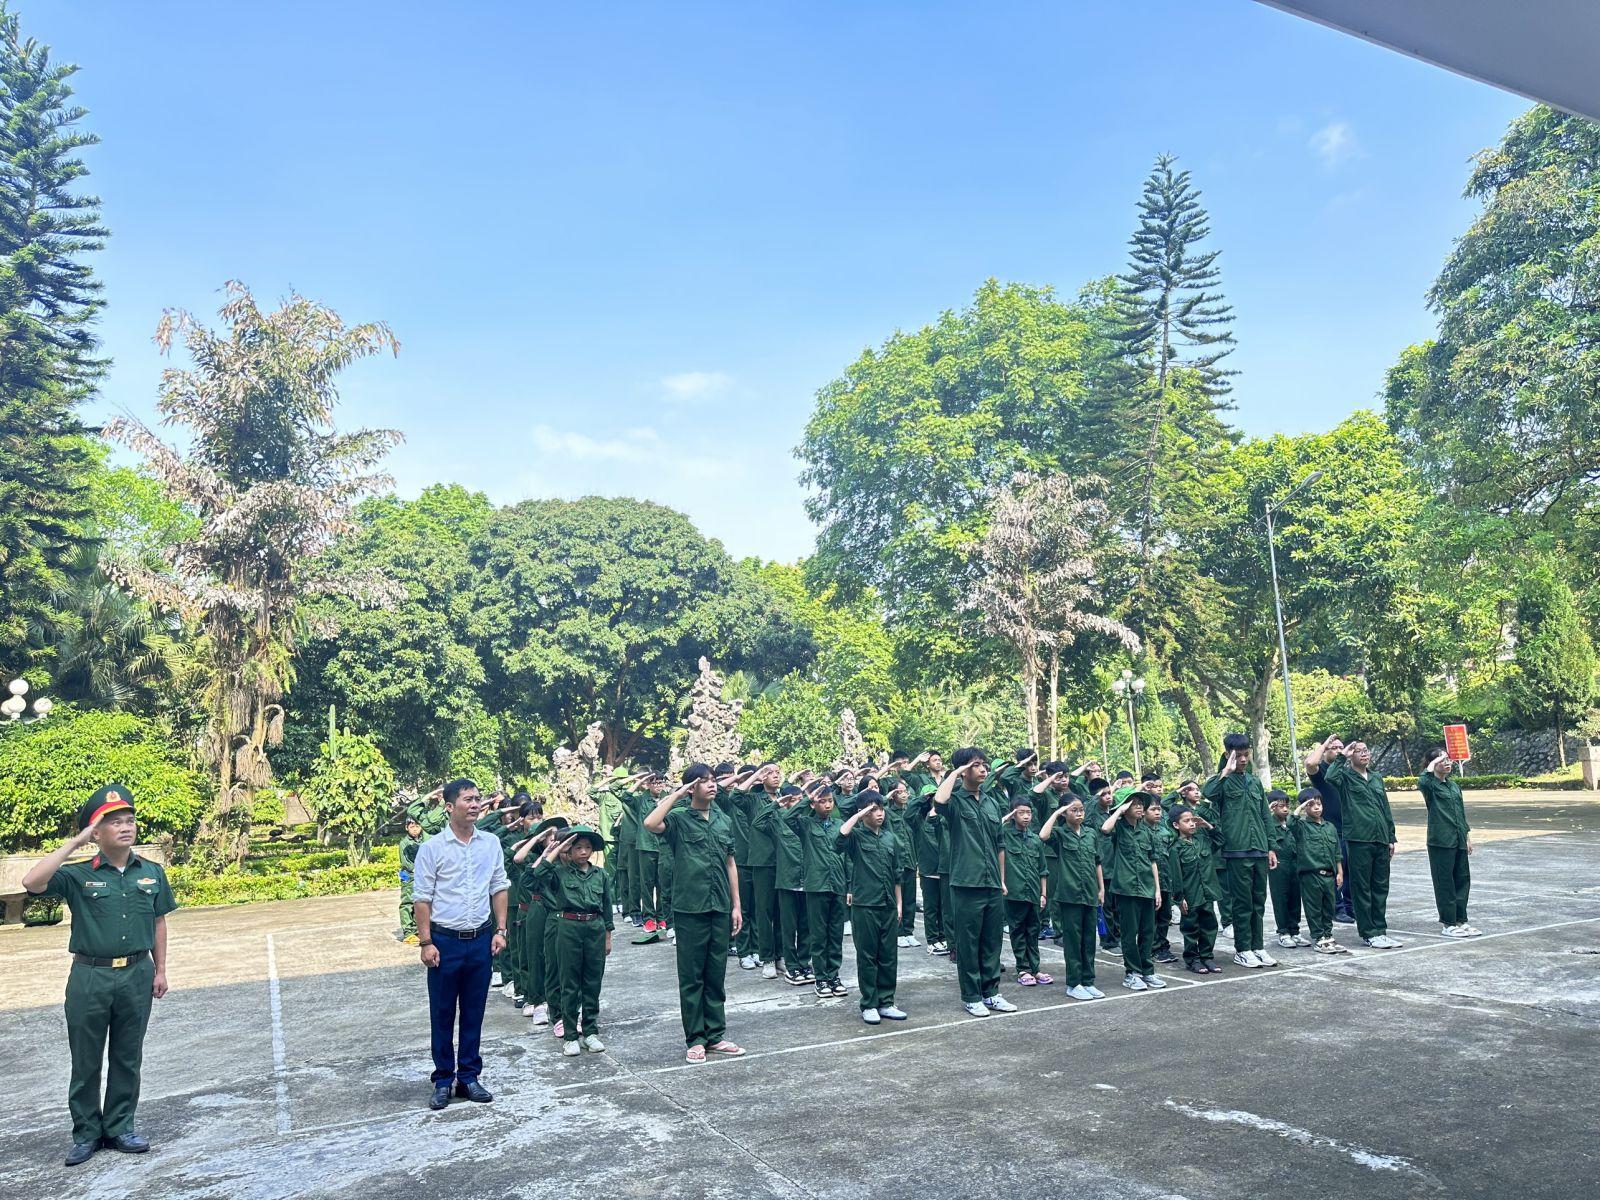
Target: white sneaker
847 932
1079 992
749 962
769 970
1326 946
1384 942
1263 959
1287 941
1133 983
1301 939
870 1016
509 991
911 940
540 1014
1246 958
902 941
533 1011
593 1044
1227 932
1455 931
496 980
890 1012
1094 992
999 1003
570 1049
1154 981
976 1009
672 935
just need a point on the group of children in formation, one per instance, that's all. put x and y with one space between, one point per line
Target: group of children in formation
740 862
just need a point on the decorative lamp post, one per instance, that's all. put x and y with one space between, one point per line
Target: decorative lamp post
16 705
1277 606
1127 687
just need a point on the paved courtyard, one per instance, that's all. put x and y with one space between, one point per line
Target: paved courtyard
291 1060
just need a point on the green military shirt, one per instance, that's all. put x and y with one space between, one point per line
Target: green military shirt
1242 805
1074 878
1447 814
789 846
643 805
1364 804
1044 803
898 818
824 864
762 812
736 805
628 825
1024 863
701 845
1162 835
927 843
1316 844
113 912
408 854
974 833
1132 860
875 860
1280 840
1192 863
578 890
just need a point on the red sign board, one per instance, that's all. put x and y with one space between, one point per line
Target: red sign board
1456 744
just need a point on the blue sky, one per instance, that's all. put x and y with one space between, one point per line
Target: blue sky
624 243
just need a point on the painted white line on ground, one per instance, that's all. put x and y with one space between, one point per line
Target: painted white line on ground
279 1071
1304 1137
998 1019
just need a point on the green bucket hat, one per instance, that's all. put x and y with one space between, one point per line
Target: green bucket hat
592 836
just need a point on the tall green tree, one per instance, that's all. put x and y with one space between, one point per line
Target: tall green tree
1554 680
272 484
49 299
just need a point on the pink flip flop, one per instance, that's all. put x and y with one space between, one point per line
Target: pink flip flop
1041 977
695 1054
726 1047
1026 980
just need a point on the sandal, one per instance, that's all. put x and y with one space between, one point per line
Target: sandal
1026 980
1041 977
726 1047
695 1054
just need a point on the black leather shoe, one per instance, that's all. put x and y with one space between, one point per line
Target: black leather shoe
473 1090
441 1096
81 1152
127 1143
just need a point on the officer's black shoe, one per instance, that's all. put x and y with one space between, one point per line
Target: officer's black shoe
81 1152
473 1090
441 1096
128 1143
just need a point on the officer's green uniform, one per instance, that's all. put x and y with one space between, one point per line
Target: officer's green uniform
1316 846
701 843
581 921
825 889
1369 833
1024 885
1242 804
1284 879
1075 887
1133 880
877 860
1191 878
1447 847
114 916
408 870
976 909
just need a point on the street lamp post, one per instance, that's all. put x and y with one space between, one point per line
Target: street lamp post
1127 687
14 706
1277 606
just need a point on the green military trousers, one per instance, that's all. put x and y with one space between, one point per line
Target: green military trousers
108 1009
1316 897
627 880
1369 887
1137 917
875 929
1284 883
703 975
408 918
908 902
1247 885
825 918
977 916
766 913
581 949
933 929
744 942
1023 917
1199 928
531 934
794 931
649 872
1452 881
1078 926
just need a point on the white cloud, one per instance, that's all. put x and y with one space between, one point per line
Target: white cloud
635 445
697 385
1335 144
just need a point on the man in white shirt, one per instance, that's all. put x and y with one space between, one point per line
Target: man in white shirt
460 878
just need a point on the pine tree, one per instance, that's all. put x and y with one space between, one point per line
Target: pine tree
49 299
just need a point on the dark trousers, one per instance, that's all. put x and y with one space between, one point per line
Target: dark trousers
947 899
1452 881
933 929
1137 915
766 913
1284 884
977 916
1316 895
1163 925
458 990
825 916
1247 889
908 902
108 1010
408 919
649 872
744 942
1199 926
794 930
1113 934
581 947
1023 917
874 928
531 934
1077 926
1369 887
703 975
627 879
1341 900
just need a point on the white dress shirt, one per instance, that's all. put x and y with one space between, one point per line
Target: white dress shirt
457 878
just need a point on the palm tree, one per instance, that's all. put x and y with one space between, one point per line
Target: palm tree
112 650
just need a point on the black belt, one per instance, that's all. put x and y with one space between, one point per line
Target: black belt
126 960
1328 871
465 935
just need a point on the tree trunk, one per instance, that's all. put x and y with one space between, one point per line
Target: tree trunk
1055 701
1561 744
1197 728
1256 717
1030 683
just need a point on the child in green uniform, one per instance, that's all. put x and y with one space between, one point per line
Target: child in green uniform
1284 878
977 870
536 1000
760 808
1024 881
583 934
877 858
1236 796
1449 843
648 859
1136 883
408 867
898 810
706 912
1162 837
1078 887
1369 834
825 888
1096 809
1316 855
789 850
1193 886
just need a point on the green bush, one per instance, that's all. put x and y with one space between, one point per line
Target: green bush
1408 783
196 888
268 807
50 767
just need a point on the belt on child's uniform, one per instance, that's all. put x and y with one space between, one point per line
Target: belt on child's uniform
522 908
576 916
1322 871
535 898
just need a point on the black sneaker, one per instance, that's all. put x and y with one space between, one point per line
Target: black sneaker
824 991
1164 955
1344 918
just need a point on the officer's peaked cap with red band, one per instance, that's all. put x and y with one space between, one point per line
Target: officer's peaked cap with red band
114 797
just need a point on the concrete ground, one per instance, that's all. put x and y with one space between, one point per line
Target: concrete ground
291 1060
